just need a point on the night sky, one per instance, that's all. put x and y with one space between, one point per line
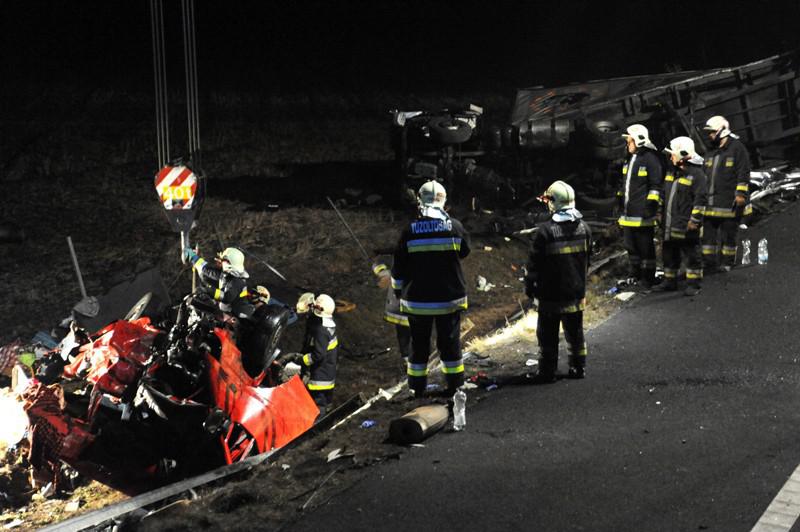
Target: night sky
397 46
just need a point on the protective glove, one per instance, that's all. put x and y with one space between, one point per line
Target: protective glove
263 294
190 255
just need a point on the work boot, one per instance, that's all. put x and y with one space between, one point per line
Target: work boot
576 372
666 286
691 290
544 377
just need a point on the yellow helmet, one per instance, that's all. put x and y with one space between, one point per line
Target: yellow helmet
324 306
432 194
560 196
233 261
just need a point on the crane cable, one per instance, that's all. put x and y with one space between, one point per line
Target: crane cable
160 77
190 62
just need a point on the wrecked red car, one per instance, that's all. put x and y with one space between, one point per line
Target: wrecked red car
138 403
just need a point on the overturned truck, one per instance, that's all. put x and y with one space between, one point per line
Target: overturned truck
573 132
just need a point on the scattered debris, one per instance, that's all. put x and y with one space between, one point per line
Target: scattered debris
491 387
73 506
482 284
531 362
418 424
624 296
368 423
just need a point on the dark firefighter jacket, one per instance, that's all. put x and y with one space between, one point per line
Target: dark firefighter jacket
229 290
685 192
557 263
728 171
642 175
427 266
321 348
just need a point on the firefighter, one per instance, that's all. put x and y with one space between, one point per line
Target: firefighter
318 359
556 278
727 166
391 312
642 175
227 283
428 281
685 192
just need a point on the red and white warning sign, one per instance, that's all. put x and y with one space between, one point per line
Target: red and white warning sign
176 187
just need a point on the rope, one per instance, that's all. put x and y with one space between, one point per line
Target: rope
190 63
160 80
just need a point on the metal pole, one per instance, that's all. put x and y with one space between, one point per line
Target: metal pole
77 268
363 251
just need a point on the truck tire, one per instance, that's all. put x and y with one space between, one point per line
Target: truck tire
448 130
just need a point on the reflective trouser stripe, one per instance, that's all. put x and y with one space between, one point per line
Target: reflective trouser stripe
453 366
670 273
694 274
321 385
710 249
397 319
729 251
417 370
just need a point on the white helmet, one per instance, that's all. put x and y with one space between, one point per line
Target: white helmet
233 262
640 136
432 194
683 148
304 303
324 306
719 125
560 196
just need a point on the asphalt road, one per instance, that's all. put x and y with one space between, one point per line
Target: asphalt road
688 420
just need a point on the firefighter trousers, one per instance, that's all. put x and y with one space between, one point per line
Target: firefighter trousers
641 252
673 253
547 333
404 340
719 238
448 341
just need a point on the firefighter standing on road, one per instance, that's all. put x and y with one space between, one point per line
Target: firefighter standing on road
428 280
227 284
728 169
557 265
642 175
318 359
684 200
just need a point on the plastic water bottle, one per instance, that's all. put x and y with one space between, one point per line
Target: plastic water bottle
763 254
745 252
459 410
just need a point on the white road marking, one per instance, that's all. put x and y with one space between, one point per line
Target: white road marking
784 509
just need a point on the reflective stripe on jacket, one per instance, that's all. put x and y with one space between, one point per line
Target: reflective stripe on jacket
728 172
642 175
685 193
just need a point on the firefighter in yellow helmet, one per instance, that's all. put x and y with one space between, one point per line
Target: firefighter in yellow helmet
727 166
684 199
642 175
319 355
428 281
556 278
227 282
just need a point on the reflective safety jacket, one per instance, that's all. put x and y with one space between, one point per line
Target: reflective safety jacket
728 171
642 175
427 266
229 290
557 262
321 349
685 193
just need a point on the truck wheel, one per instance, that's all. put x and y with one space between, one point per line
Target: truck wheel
448 130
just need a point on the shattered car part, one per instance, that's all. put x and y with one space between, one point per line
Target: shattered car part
184 395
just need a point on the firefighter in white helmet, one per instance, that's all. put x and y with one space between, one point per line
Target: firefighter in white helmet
685 189
642 176
226 282
556 278
428 280
727 166
319 356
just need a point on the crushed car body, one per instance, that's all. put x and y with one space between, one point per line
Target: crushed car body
137 403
